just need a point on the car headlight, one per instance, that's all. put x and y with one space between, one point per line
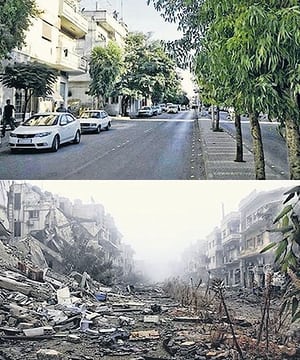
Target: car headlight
43 134
13 135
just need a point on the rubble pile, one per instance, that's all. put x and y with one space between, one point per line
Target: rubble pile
45 315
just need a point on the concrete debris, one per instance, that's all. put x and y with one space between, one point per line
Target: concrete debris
45 315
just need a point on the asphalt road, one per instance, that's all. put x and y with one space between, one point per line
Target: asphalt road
155 148
274 145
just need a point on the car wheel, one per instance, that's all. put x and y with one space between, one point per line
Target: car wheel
55 144
77 137
108 126
98 130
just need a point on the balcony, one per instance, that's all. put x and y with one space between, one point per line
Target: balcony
252 251
109 23
72 21
231 260
67 59
231 238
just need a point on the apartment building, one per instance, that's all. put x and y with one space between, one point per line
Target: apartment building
4 224
257 212
54 221
230 239
194 260
103 26
30 210
215 253
52 39
233 250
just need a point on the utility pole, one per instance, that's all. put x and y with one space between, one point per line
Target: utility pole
122 10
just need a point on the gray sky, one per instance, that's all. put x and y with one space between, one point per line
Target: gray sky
138 16
161 218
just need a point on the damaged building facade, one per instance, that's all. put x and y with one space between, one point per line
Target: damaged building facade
234 248
51 223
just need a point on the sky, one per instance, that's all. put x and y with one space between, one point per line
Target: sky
138 16
159 219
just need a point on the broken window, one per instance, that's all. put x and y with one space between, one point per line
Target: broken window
17 228
17 202
33 214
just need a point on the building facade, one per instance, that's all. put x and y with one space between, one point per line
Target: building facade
103 27
52 40
234 249
230 239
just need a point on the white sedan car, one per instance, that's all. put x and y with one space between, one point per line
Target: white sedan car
94 121
45 131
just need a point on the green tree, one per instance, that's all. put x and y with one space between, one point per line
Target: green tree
34 79
149 71
105 69
287 250
258 42
15 19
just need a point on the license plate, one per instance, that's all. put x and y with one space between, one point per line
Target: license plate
25 141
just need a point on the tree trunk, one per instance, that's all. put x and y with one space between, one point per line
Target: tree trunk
293 146
217 123
238 138
124 104
258 150
26 101
213 117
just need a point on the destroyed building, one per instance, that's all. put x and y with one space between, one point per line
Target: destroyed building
233 249
42 219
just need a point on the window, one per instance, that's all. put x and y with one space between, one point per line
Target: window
17 228
46 31
17 202
259 239
33 214
69 118
250 243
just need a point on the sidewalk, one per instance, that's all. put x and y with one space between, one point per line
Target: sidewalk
219 150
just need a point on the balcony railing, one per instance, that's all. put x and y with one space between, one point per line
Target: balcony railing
72 21
109 23
231 238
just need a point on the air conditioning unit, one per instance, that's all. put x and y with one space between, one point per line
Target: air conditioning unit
30 222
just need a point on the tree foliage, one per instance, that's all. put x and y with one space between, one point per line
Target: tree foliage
246 54
34 79
148 71
15 19
287 250
105 69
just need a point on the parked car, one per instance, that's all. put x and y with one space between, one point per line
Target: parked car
145 111
156 110
45 131
94 121
172 109
163 107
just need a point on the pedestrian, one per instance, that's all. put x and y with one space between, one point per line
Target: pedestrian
61 108
7 118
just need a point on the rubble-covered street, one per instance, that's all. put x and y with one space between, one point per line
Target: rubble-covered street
45 315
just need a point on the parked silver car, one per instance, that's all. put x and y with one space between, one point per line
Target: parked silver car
145 111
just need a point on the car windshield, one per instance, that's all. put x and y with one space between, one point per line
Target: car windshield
91 114
42 120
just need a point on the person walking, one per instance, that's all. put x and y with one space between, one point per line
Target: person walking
61 108
7 118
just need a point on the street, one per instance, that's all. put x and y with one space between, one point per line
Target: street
152 148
